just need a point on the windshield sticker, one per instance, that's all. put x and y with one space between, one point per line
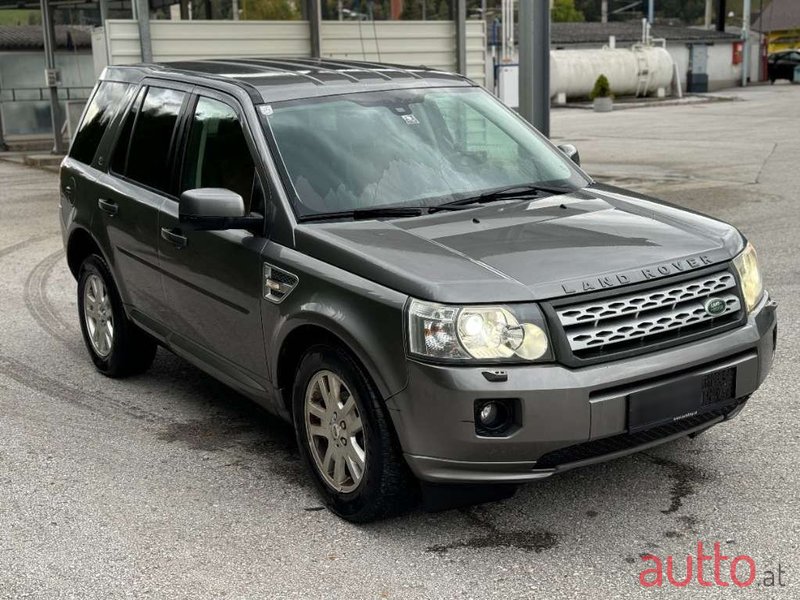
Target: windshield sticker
266 109
410 119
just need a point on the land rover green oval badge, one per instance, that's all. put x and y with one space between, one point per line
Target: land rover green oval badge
715 306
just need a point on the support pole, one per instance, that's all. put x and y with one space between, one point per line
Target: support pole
49 35
604 11
143 20
534 63
651 11
3 145
722 8
709 13
746 12
314 15
461 36
103 12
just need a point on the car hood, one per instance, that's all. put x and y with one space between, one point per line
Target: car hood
599 237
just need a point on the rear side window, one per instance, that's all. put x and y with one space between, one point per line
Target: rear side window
119 159
150 143
102 108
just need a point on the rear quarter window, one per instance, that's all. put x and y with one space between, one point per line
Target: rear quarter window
106 101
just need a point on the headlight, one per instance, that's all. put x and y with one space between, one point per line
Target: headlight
752 286
496 333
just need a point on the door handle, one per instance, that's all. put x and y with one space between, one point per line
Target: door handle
108 206
174 237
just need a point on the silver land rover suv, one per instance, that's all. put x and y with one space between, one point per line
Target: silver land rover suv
405 270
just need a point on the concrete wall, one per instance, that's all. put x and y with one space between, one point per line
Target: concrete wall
429 43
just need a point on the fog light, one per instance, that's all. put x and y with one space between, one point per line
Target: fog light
496 417
489 414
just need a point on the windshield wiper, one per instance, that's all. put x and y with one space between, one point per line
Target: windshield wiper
509 192
359 214
376 212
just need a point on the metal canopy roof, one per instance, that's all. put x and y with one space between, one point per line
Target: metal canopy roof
780 15
86 4
629 32
31 37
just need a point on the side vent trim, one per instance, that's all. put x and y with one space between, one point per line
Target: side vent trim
278 283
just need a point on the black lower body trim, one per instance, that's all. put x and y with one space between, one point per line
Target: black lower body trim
627 441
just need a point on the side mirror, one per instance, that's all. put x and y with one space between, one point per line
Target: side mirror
571 152
214 209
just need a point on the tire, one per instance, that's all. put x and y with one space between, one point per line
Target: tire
386 486
127 350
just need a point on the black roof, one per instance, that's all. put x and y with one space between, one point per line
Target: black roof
630 32
276 79
30 37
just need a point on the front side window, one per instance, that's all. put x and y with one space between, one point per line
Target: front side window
151 140
105 102
409 148
217 154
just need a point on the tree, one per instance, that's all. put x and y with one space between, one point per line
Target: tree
269 10
564 10
601 89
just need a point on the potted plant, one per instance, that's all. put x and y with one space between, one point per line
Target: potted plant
602 98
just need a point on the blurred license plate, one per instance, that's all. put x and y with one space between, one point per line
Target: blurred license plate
680 399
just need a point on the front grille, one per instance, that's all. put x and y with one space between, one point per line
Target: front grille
629 321
626 441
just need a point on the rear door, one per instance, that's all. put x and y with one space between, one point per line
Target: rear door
213 279
139 181
85 164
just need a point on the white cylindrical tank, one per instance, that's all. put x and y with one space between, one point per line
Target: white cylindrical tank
640 69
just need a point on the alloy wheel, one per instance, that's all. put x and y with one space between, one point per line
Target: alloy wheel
335 432
98 315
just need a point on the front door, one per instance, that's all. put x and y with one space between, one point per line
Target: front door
213 280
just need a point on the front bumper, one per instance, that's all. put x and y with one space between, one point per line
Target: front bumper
563 409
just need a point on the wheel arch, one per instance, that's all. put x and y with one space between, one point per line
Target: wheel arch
311 330
81 244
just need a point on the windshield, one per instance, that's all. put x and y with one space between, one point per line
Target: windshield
421 147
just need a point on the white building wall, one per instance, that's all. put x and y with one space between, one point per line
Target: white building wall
680 56
429 43
722 73
187 40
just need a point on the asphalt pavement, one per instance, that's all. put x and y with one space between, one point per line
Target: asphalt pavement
169 485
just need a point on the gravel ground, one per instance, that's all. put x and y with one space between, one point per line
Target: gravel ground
169 485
